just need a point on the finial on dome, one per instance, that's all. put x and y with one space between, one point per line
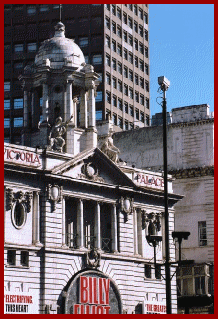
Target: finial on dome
59 30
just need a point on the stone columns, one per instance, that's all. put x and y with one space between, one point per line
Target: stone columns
80 224
83 110
97 226
135 223
45 103
63 223
91 107
114 228
36 219
69 102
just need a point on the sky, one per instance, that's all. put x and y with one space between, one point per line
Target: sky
181 40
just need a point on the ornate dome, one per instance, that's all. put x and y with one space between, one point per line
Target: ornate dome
60 51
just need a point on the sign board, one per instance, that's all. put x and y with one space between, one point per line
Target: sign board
21 303
147 180
19 156
155 307
92 292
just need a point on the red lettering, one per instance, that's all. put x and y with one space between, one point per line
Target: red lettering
101 299
94 310
9 154
83 289
36 159
90 290
22 156
106 283
76 308
28 156
100 310
95 290
107 309
82 310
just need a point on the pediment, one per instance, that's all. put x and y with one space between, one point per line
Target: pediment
93 165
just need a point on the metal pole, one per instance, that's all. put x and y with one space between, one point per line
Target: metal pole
167 264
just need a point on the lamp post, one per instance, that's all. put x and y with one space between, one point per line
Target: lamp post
164 85
180 235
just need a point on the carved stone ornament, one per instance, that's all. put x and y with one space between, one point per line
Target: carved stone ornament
126 206
90 171
151 222
54 194
93 258
109 149
24 198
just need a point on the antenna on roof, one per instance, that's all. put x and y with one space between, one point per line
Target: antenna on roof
60 8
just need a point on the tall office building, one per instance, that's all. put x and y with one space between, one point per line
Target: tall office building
113 38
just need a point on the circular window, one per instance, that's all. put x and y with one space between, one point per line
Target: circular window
18 215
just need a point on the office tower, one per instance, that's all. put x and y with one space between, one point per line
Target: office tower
113 38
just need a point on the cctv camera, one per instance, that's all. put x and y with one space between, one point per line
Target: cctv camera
163 82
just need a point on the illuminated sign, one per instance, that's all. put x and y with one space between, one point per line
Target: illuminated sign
149 181
21 157
21 303
91 292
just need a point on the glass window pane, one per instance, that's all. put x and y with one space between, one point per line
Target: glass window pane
7 86
6 123
7 104
97 59
31 47
18 122
18 103
99 96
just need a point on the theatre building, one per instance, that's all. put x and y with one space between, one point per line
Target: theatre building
79 222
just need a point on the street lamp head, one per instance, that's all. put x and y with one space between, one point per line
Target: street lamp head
164 83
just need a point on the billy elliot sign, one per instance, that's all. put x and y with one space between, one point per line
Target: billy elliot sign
92 292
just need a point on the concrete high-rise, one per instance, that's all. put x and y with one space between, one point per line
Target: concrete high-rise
113 38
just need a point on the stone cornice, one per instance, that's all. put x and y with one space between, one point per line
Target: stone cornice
193 172
195 123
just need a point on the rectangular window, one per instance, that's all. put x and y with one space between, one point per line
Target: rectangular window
119 67
98 115
142 99
130 6
145 18
142 83
146 69
146 52
125 36
130 57
131 93
136 79
6 122
108 60
136 96
119 31
24 258
120 122
86 59
141 65
108 97
43 8
147 86
119 49
126 107
120 86
131 112
99 96
126 127
31 9
31 47
124 17
108 6
141 30
135 26
108 41
158 271
114 27
114 101
108 79
141 48
126 89
148 271
107 22
120 104
7 86
131 75
136 62
125 72
97 59
146 35
202 233
142 117
114 46
147 120
7 104
114 119
11 257
114 83
130 23
130 39
119 14
18 65
137 114
18 122
83 42
141 13
147 103
18 103
136 44
135 9
125 54
18 48
113 9
114 64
